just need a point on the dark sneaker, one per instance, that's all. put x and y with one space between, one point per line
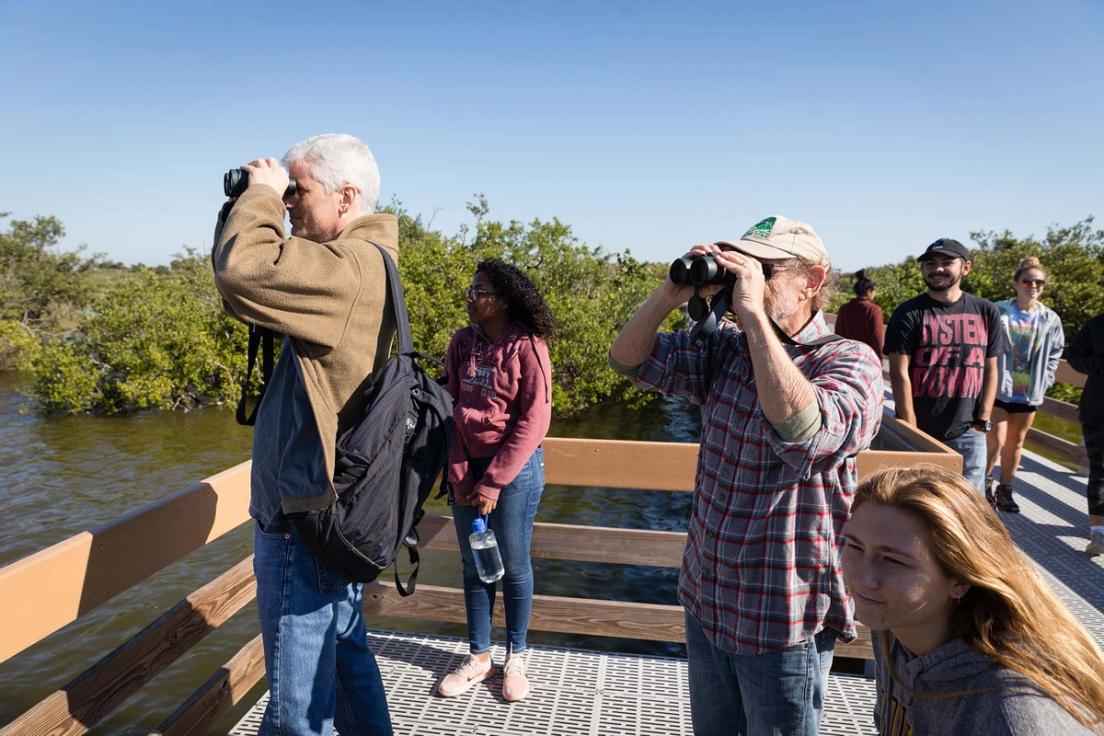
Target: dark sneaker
1003 499
990 486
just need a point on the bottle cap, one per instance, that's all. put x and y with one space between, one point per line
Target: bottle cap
478 525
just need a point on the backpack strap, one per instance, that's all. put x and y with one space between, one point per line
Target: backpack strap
257 335
412 581
398 303
410 541
406 347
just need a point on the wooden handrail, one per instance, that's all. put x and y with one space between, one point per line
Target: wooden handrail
1067 374
82 703
222 691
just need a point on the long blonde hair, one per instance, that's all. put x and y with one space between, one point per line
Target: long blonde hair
1009 614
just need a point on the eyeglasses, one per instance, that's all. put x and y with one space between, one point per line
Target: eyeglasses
1032 282
473 293
769 269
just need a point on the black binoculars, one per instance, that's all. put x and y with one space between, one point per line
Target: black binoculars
236 181
704 270
700 270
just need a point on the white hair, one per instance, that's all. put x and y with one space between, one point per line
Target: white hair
337 159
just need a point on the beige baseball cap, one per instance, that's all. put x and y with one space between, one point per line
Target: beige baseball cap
778 237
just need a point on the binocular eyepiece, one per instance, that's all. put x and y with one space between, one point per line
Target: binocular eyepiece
700 270
236 181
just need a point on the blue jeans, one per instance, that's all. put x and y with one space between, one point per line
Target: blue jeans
757 694
971 446
512 523
320 669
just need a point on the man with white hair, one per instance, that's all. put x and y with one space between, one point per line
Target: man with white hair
786 407
324 287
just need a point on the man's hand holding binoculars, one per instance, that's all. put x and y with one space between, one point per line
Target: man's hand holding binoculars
267 171
748 288
707 270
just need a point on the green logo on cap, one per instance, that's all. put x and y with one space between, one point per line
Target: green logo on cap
761 229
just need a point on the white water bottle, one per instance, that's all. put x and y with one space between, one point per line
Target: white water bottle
484 547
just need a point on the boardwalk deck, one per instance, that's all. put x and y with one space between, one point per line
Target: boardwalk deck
582 692
575 693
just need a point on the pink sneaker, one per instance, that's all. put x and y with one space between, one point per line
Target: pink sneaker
471 671
515 677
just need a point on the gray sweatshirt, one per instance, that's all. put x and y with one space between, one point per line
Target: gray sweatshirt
1011 704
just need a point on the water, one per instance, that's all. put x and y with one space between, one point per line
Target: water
488 560
69 474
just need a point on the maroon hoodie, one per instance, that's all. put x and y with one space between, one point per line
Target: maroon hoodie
503 405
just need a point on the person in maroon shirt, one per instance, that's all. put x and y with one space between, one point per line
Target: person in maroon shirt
861 319
499 374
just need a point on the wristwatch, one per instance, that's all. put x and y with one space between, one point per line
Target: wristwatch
982 425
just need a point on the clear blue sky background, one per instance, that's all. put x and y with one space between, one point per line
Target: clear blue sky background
646 126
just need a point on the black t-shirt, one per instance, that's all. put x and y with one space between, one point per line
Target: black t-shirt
947 345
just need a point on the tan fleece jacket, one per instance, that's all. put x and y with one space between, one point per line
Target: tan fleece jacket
330 298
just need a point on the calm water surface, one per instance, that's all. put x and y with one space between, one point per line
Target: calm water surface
66 475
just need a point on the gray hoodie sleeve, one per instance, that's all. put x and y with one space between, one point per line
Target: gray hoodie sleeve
1057 346
1015 710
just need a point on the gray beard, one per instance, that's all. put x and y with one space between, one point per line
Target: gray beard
779 307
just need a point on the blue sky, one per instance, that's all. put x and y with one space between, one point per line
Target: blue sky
646 126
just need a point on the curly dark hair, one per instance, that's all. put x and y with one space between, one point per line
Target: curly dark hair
524 301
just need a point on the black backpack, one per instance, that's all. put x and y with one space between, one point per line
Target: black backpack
386 465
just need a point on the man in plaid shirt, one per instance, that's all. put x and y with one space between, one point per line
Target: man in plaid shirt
785 411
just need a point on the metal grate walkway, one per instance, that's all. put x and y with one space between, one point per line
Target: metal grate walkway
575 693
586 693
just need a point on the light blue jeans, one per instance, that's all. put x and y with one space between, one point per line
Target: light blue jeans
971 446
320 669
512 523
757 694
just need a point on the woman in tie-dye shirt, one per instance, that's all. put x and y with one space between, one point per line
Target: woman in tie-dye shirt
1026 372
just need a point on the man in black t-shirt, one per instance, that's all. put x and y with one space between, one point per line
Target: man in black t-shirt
943 347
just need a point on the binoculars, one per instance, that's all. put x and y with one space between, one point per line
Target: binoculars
236 181
703 271
700 270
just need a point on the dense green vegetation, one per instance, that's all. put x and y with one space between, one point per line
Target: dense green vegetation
101 337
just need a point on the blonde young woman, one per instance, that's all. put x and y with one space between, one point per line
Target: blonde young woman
968 639
1026 372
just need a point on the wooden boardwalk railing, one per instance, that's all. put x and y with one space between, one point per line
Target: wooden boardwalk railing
46 591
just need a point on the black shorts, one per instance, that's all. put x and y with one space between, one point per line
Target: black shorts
1011 408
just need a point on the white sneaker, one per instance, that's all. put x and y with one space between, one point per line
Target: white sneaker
515 677
471 671
1096 544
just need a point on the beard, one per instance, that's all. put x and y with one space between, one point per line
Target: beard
941 283
779 304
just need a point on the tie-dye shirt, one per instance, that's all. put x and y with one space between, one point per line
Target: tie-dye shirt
1023 333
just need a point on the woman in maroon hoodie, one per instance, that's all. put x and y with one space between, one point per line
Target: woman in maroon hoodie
500 378
861 319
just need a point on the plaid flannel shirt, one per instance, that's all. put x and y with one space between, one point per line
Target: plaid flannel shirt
761 568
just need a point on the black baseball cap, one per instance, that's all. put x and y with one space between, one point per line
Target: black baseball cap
946 247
